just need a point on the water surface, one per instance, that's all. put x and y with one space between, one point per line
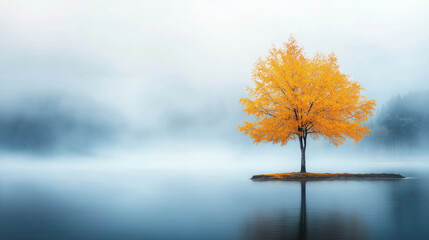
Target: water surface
166 204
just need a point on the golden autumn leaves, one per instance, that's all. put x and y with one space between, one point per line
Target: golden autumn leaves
295 95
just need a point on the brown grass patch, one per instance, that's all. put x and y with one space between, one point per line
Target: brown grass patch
324 176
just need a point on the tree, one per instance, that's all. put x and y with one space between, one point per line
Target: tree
295 96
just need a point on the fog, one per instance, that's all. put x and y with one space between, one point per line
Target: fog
112 81
118 120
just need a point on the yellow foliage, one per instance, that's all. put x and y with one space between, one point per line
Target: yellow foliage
295 95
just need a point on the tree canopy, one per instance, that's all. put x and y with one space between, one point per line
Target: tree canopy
295 95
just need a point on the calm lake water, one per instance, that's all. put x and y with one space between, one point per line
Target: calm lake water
160 204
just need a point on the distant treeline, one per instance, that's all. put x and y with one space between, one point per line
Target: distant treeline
402 122
49 124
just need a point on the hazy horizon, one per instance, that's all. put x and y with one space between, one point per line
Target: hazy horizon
81 76
146 59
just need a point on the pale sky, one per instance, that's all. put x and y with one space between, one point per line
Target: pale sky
143 58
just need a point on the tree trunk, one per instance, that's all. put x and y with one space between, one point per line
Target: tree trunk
303 145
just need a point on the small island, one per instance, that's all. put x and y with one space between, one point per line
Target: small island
304 176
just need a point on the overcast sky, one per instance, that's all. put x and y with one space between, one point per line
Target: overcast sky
143 58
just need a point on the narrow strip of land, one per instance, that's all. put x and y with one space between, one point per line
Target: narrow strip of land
299 176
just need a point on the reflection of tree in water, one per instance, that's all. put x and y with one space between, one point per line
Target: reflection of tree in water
286 226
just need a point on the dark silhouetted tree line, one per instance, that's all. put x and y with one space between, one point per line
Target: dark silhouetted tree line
403 121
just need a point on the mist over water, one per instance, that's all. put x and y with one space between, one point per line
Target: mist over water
74 171
118 120
206 195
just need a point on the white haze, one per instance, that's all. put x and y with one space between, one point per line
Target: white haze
165 76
